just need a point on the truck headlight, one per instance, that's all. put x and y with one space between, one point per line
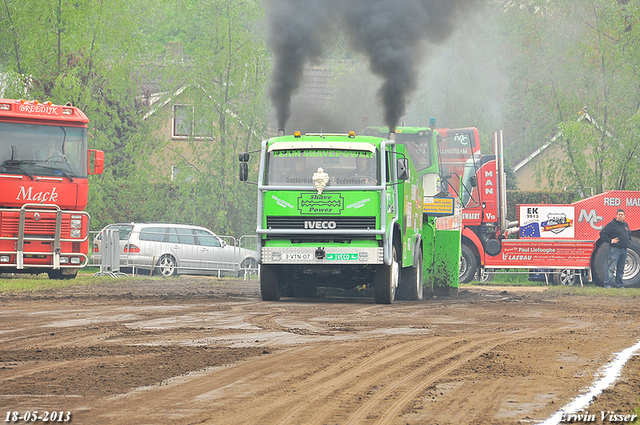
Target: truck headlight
76 223
75 260
64 260
276 256
4 258
76 233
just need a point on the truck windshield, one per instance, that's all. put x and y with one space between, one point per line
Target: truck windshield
342 166
419 148
43 150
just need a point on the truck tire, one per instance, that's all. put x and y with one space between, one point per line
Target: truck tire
599 264
386 280
411 286
468 265
631 278
564 277
632 266
269 282
62 275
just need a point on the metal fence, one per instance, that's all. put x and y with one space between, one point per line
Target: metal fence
114 258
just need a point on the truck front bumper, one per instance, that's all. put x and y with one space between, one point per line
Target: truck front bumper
322 255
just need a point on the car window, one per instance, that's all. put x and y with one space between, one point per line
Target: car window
205 238
155 234
185 236
125 231
173 235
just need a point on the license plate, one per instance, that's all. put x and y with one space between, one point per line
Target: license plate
342 257
296 257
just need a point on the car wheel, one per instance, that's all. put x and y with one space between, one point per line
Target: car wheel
248 265
386 280
484 275
565 277
167 265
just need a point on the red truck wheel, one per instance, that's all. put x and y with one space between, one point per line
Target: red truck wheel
631 267
468 265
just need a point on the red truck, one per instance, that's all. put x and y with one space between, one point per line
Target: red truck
560 240
44 168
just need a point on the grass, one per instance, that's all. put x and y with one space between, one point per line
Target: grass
592 291
31 283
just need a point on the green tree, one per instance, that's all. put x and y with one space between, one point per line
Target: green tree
581 55
223 74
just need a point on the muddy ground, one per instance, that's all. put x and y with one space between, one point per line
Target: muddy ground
208 351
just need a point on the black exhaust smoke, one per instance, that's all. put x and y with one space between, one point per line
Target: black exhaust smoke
393 34
296 32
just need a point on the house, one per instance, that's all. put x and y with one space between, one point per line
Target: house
530 172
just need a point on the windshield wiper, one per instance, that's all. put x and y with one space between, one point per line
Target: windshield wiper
64 173
14 164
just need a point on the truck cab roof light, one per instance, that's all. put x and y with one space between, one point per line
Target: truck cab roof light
67 111
297 134
5 107
352 134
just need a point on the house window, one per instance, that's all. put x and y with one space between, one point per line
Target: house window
189 121
182 120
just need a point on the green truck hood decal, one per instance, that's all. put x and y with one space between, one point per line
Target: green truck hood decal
356 203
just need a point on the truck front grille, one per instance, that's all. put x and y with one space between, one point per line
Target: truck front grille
330 223
45 226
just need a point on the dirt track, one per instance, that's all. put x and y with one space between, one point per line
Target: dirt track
204 351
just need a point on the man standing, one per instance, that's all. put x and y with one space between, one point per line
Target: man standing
618 235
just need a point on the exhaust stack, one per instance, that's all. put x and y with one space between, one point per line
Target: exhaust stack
392 135
280 132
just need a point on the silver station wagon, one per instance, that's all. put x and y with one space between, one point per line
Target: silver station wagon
170 249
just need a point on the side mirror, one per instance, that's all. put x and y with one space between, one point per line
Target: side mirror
243 157
243 175
403 169
98 162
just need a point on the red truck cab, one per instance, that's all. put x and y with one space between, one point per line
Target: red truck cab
44 169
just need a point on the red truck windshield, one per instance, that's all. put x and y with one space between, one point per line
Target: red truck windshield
43 150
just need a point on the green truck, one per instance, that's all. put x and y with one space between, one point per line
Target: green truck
347 211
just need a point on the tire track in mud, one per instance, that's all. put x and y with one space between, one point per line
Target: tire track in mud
411 384
323 384
418 369
319 397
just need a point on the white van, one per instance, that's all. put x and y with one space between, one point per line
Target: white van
170 249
